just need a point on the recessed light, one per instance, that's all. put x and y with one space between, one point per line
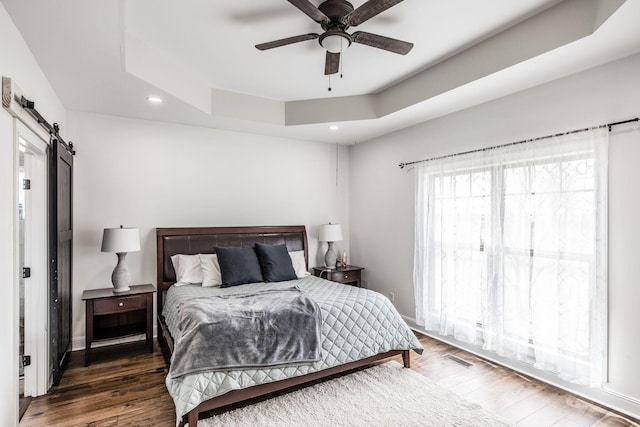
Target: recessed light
334 127
154 99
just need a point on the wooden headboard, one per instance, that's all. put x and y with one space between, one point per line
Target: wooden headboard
201 240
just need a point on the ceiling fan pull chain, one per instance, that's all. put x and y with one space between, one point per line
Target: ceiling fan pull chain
329 82
341 59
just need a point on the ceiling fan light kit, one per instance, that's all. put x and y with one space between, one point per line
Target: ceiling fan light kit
335 41
335 17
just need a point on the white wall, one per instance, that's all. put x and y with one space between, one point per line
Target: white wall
149 174
382 207
16 62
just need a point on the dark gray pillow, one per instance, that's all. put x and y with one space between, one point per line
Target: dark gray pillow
238 266
275 263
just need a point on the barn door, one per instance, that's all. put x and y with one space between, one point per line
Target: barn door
61 252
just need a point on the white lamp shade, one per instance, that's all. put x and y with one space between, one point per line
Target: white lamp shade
330 233
120 240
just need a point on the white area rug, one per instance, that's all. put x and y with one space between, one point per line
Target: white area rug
384 395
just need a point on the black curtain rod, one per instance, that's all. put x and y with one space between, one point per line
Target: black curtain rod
54 130
609 125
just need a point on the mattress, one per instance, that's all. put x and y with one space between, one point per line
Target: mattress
356 323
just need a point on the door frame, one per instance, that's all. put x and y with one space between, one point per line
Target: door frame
37 377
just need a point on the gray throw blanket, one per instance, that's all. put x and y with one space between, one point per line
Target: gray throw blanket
269 328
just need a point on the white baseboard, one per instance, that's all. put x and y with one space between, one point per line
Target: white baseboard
78 343
604 396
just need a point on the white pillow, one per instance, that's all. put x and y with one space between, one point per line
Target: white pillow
299 265
188 270
211 275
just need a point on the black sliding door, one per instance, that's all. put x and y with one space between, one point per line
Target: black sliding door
61 253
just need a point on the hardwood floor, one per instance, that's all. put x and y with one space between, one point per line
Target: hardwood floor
125 387
521 400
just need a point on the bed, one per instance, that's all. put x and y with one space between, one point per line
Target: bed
359 326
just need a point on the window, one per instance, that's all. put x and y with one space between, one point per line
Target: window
511 251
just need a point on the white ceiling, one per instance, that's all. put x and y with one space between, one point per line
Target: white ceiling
199 56
216 39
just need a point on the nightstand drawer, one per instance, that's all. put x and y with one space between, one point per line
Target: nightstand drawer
350 275
119 304
345 276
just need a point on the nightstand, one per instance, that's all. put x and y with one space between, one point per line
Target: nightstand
112 315
350 275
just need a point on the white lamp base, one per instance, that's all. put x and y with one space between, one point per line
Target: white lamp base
121 278
330 257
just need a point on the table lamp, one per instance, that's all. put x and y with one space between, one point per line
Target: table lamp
330 233
121 240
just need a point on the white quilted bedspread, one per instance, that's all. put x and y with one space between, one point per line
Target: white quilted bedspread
357 323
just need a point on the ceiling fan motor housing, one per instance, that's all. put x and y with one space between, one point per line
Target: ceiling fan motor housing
335 10
335 36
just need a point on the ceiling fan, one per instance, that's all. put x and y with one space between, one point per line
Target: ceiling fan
335 17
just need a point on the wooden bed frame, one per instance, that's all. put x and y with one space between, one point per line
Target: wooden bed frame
191 241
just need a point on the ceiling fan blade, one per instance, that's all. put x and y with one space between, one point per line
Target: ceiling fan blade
382 42
288 40
332 63
368 10
310 10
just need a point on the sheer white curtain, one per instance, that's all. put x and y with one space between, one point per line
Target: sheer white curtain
511 251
